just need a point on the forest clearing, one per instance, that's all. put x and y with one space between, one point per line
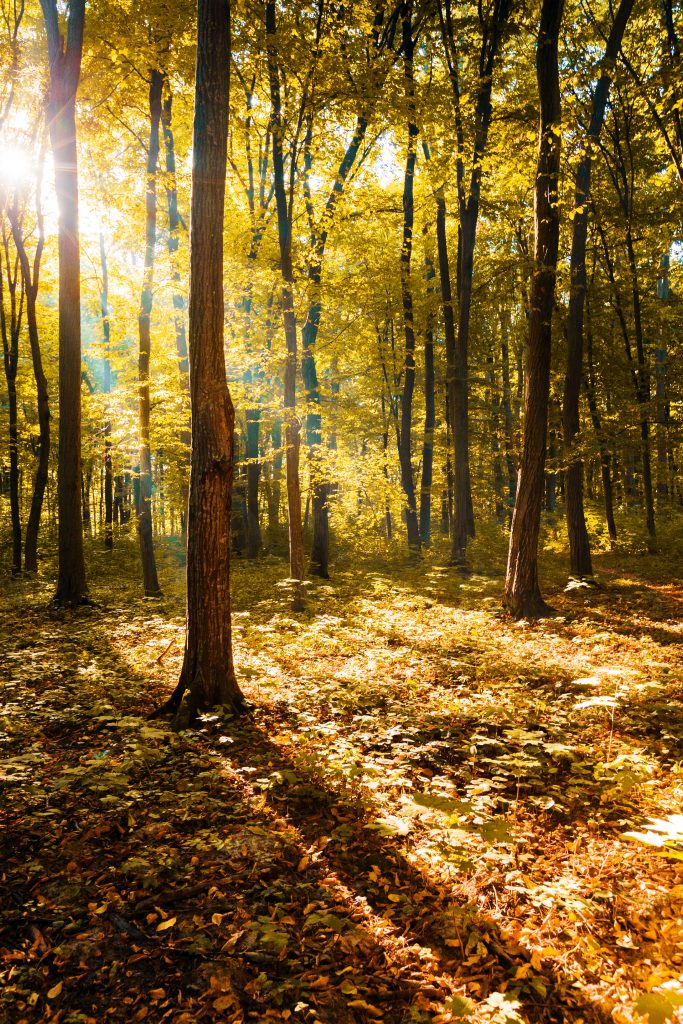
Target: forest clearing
341 511
423 818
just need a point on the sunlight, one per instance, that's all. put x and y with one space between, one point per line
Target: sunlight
15 165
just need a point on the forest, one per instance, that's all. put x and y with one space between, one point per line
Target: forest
341 511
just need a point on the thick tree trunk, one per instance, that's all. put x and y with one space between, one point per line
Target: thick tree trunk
145 531
579 545
208 671
292 425
522 591
65 67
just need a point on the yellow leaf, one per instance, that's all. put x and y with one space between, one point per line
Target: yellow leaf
394 897
223 1003
360 1004
165 925
55 991
216 918
320 982
303 863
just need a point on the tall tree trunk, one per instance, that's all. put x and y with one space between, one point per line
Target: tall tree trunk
579 544
605 457
405 434
449 334
30 272
292 425
207 669
11 330
65 68
106 333
430 412
522 590
174 225
145 532
492 26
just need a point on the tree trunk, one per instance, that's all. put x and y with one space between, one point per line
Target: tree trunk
207 670
145 532
405 434
292 425
579 545
430 414
106 335
174 224
522 591
65 67
605 457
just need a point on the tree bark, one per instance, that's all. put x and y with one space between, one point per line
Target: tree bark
430 412
522 590
31 277
65 68
106 337
405 433
208 671
579 544
292 424
10 348
145 531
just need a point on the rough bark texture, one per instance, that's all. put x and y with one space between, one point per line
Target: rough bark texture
522 591
208 670
65 68
579 544
145 532
292 425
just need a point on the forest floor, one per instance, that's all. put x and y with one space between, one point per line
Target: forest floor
423 819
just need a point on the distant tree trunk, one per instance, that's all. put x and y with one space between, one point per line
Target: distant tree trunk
492 26
579 544
174 225
145 532
522 591
449 334
292 425
275 486
207 669
605 457
31 277
10 348
430 413
507 415
108 474
65 68
251 452
405 435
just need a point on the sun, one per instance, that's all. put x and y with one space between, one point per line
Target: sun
16 165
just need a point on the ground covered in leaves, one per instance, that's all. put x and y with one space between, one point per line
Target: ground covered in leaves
424 818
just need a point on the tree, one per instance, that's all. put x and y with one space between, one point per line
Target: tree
579 545
522 590
64 55
145 529
208 671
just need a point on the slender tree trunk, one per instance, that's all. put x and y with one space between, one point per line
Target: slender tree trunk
292 425
208 671
449 335
605 457
106 335
579 545
174 225
522 591
145 531
430 413
405 435
65 67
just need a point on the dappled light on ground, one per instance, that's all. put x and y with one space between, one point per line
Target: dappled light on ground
428 815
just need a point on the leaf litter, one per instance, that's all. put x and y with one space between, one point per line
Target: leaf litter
432 813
